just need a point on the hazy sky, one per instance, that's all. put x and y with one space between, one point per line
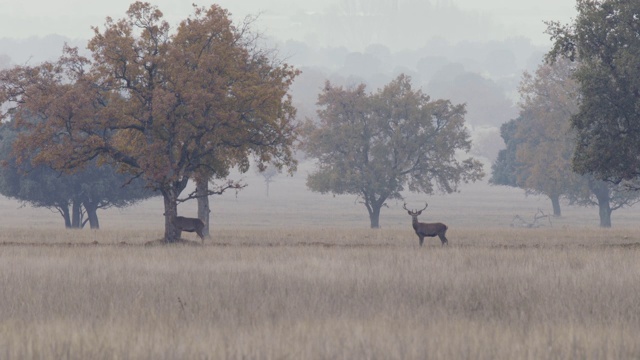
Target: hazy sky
73 18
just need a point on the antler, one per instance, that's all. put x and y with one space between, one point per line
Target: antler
414 211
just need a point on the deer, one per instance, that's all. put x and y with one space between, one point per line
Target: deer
427 229
189 225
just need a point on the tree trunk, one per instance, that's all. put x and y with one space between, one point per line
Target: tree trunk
92 215
555 202
170 192
605 214
171 233
202 190
76 214
64 210
374 215
601 191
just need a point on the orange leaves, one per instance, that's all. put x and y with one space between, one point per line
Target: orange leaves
543 139
379 143
166 104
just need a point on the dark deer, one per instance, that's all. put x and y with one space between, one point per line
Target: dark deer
189 225
427 229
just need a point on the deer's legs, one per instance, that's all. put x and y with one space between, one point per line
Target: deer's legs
421 240
443 239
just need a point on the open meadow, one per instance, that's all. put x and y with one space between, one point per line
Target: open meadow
300 276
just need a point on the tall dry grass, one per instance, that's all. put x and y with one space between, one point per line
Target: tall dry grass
321 293
300 276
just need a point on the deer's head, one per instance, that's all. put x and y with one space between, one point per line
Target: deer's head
415 213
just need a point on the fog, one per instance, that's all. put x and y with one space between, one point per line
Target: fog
468 51
315 21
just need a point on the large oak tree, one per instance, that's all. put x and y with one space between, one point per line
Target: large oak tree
378 145
165 106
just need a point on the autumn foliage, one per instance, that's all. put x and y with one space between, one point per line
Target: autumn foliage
378 145
165 106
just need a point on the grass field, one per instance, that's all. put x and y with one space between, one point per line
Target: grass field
300 276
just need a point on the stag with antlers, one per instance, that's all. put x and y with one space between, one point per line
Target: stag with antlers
427 229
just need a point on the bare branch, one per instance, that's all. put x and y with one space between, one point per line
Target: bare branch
518 221
230 184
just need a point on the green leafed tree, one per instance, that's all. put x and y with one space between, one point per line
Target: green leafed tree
77 196
540 145
503 170
605 39
377 145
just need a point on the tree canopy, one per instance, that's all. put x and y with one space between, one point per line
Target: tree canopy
546 143
505 167
377 145
75 195
165 106
605 39
540 145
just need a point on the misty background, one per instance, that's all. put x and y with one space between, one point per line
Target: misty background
467 51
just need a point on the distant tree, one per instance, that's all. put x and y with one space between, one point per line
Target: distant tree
540 146
486 101
357 23
377 145
72 195
501 62
428 66
546 143
268 174
361 65
166 106
5 61
503 170
510 169
605 38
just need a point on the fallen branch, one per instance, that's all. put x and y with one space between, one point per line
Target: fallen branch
538 220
